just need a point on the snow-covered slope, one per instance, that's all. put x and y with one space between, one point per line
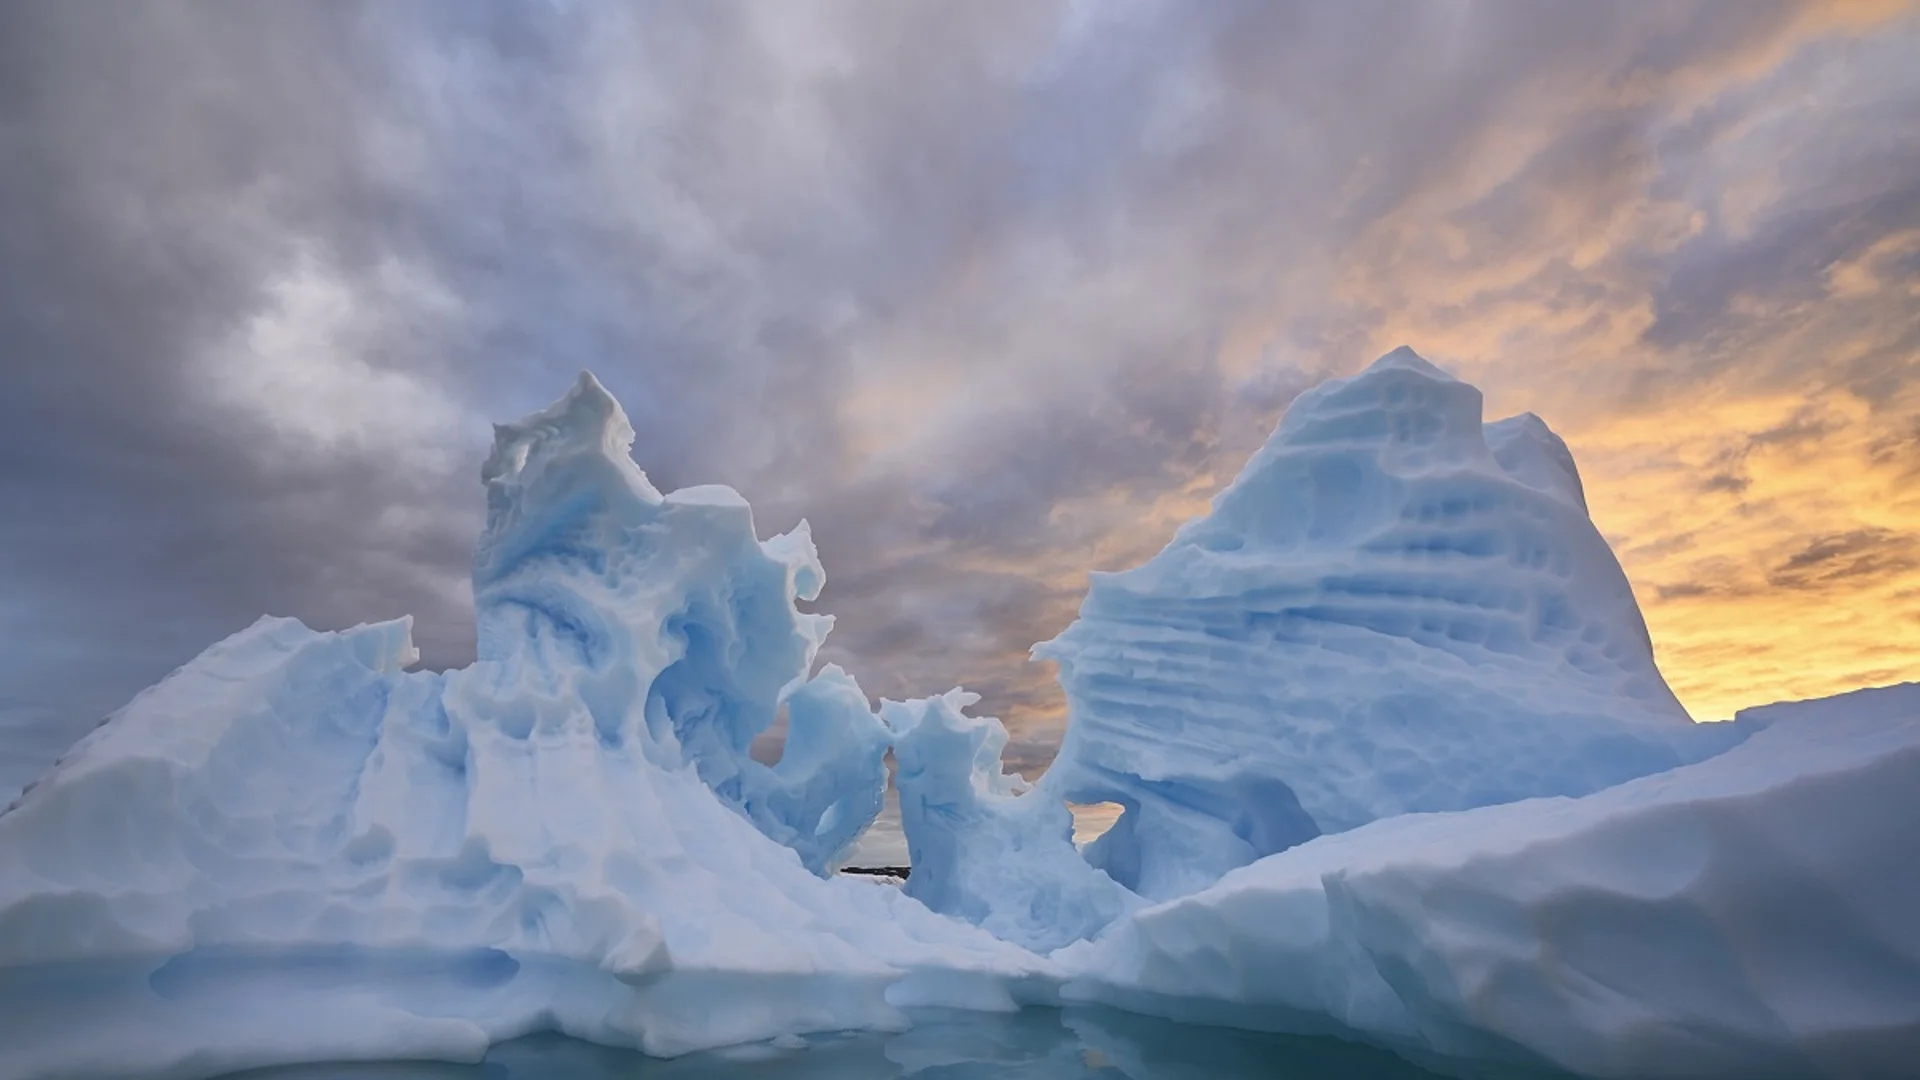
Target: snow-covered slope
292 848
1393 608
1749 916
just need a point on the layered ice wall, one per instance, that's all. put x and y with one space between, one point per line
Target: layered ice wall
1393 608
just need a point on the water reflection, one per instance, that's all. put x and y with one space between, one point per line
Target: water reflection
1035 1044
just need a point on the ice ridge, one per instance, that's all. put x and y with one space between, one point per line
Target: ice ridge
1393 608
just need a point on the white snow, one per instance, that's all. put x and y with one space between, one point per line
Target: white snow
1353 681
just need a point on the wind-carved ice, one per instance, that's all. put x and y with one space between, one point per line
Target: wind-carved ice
671 623
1396 761
293 849
1393 608
982 848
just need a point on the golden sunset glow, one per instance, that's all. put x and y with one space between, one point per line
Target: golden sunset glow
1754 458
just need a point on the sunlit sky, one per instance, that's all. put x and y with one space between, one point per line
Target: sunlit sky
992 293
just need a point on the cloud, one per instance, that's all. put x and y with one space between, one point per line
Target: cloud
993 293
1733 483
1828 561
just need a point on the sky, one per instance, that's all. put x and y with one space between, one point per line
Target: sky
993 294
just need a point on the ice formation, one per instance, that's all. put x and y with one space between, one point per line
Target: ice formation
980 848
1351 681
670 625
1752 915
294 849
1393 608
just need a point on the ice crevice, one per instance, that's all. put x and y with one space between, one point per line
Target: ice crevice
1393 760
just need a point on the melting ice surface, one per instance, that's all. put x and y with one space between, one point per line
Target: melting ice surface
1395 762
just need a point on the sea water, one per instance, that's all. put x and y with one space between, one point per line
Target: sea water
1034 1044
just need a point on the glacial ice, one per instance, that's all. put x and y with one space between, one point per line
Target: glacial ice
1393 608
1753 915
1396 761
292 848
980 848
670 623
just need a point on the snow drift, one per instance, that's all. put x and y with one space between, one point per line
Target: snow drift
1394 688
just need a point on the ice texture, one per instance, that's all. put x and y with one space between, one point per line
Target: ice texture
1752 915
670 623
1393 608
982 848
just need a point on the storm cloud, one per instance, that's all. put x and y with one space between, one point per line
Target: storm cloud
993 294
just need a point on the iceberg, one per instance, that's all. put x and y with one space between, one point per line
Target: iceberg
294 849
668 624
981 848
1393 608
1396 762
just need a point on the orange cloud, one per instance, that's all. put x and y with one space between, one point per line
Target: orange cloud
1757 478
1672 267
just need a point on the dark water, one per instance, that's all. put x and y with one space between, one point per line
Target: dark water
1034 1044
